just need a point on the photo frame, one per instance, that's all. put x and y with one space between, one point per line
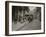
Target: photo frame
24 18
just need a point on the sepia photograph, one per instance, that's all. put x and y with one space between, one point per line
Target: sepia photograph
24 18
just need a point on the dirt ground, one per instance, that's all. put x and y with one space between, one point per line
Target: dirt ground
34 25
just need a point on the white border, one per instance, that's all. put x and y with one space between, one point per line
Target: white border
28 31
